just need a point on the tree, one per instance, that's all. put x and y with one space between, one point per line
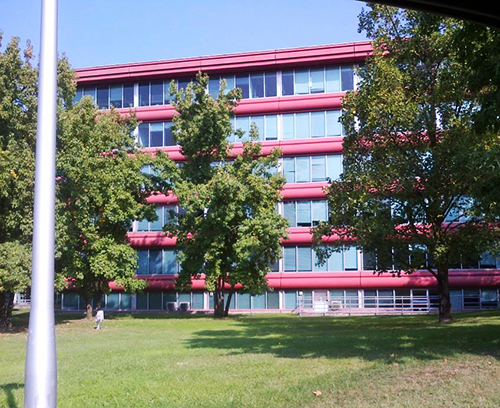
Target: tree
100 189
229 231
405 196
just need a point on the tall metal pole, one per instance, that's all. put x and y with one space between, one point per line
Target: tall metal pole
40 388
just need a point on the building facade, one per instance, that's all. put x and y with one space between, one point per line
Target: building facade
294 97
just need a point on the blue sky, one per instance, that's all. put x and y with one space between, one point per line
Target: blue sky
106 32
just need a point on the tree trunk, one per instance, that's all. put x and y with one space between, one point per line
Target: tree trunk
88 302
6 306
445 315
219 299
228 302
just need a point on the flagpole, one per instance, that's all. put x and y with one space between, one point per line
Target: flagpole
40 388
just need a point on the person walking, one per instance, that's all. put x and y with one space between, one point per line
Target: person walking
99 317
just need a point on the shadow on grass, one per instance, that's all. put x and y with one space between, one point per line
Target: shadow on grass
383 338
20 320
9 395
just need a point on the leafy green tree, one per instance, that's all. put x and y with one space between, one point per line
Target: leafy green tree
100 189
229 232
405 196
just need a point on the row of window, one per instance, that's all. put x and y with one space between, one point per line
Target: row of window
307 169
286 126
253 85
410 299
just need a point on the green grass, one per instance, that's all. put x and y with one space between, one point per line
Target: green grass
266 361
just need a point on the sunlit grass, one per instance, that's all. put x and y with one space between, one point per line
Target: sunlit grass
266 361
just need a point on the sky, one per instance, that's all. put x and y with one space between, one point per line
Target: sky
108 32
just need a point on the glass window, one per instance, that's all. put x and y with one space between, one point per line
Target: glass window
333 79
290 299
289 169
304 259
271 127
318 168
335 262
302 125
303 169
350 258
144 94
244 301
142 301
334 163
155 262
156 93
154 300
144 134
317 80
287 83
115 95
142 225
157 225
112 301
271 89
242 123
302 82
347 76
318 267
166 92
156 134
256 85
170 262
288 126
198 300
229 83
128 95
78 95
259 301
103 97
333 126
143 263
273 300
304 214
289 259
90 92
259 122
243 83
319 212
213 87
125 301
169 135
289 213
318 124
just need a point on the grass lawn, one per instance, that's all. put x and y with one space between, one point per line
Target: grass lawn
148 360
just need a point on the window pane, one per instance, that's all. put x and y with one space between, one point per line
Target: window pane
229 83
287 83
144 94
271 84
273 300
156 134
302 82
317 267
304 257
333 126
242 123
334 163
290 299
350 258
319 212
244 301
157 225
142 301
103 97
112 301
169 136
271 127
198 300
115 95
170 262
333 79
128 95
156 93
289 213
78 95
318 168
288 126
183 83
143 263
303 170
335 262
154 300
213 87
242 82
166 92
126 301
144 134
302 125
256 85
155 262
259 122
289 259
317 80
90 92
289 169
318 124
142 225
304 214
347 78
259 302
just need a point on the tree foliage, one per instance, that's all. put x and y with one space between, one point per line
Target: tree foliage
406 195
229 232
100 189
